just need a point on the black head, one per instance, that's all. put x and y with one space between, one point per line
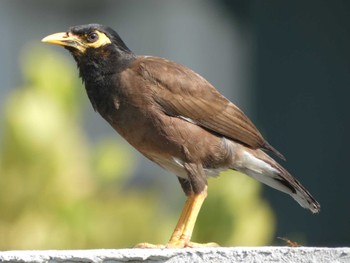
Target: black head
97 36
94 47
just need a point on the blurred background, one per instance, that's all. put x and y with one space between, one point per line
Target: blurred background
68 181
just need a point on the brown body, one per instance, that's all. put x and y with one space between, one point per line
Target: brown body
175 118
168 136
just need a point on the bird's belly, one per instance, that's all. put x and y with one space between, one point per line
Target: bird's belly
176 166
172 164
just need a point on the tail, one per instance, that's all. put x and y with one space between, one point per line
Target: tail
263 168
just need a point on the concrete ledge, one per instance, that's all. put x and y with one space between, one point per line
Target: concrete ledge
222 254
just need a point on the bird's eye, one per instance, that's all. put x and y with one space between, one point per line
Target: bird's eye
92 37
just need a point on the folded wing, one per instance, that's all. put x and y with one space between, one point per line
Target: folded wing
185 94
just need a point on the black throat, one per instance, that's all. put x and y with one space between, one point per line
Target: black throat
99 69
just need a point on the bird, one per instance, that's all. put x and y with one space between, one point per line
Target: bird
176 119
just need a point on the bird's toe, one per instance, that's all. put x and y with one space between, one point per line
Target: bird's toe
197 245
149 245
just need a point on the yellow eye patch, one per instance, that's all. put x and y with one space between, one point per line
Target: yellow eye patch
96 39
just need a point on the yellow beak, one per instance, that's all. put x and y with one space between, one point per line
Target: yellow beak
64 39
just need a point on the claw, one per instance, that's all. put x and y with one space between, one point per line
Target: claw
197 245
177 244
148 245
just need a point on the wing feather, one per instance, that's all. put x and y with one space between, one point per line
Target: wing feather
183 93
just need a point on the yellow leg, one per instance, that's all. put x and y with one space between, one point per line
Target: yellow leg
181 223
183 231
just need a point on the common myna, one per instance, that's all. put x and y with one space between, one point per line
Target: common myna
175 118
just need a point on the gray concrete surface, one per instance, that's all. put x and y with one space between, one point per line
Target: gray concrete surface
221 254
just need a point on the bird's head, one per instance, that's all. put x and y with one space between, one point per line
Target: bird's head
93 46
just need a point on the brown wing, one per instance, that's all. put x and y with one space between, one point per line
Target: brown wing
183 93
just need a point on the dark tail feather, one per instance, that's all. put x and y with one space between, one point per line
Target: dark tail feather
263 168
269 147
298 191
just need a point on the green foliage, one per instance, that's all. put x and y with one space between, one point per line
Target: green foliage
60 191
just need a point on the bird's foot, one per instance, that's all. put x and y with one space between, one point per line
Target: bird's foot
197 245
188 244
177 244
148 245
